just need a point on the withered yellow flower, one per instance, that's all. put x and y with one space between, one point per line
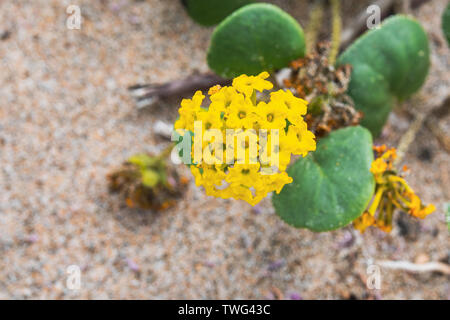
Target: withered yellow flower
364 221
391 192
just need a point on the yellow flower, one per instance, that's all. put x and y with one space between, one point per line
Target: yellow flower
272 115
247 174
241 114
180 124
243 174
301 140
221 99
246 155
210 120
277 181
213 175
214 90
197 175
188 111
247 84
244 148
296 107
241 192
282 151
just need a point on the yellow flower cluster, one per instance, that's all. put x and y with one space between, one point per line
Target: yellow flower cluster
392 192
282 131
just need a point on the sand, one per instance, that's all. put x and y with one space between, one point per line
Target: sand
66 120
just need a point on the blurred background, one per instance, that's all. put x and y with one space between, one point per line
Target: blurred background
67 119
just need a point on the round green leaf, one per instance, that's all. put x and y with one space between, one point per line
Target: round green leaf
258 37
333 185
389 62
446 23
211 12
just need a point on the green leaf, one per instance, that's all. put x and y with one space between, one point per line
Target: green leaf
333 185
389 62
143 161
211 12
446 23
150 178
255 38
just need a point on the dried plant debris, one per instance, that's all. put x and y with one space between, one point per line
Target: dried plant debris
324 86
148 182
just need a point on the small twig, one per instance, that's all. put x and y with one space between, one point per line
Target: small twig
148 94
431 122
443 139
402 6
314 25
163 129
408 137
336 31
417 3
424 117
413 267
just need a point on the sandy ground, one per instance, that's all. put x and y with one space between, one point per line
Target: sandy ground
66 119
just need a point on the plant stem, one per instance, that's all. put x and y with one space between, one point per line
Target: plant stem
409 136
166 152
336 31
314 24
422 117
